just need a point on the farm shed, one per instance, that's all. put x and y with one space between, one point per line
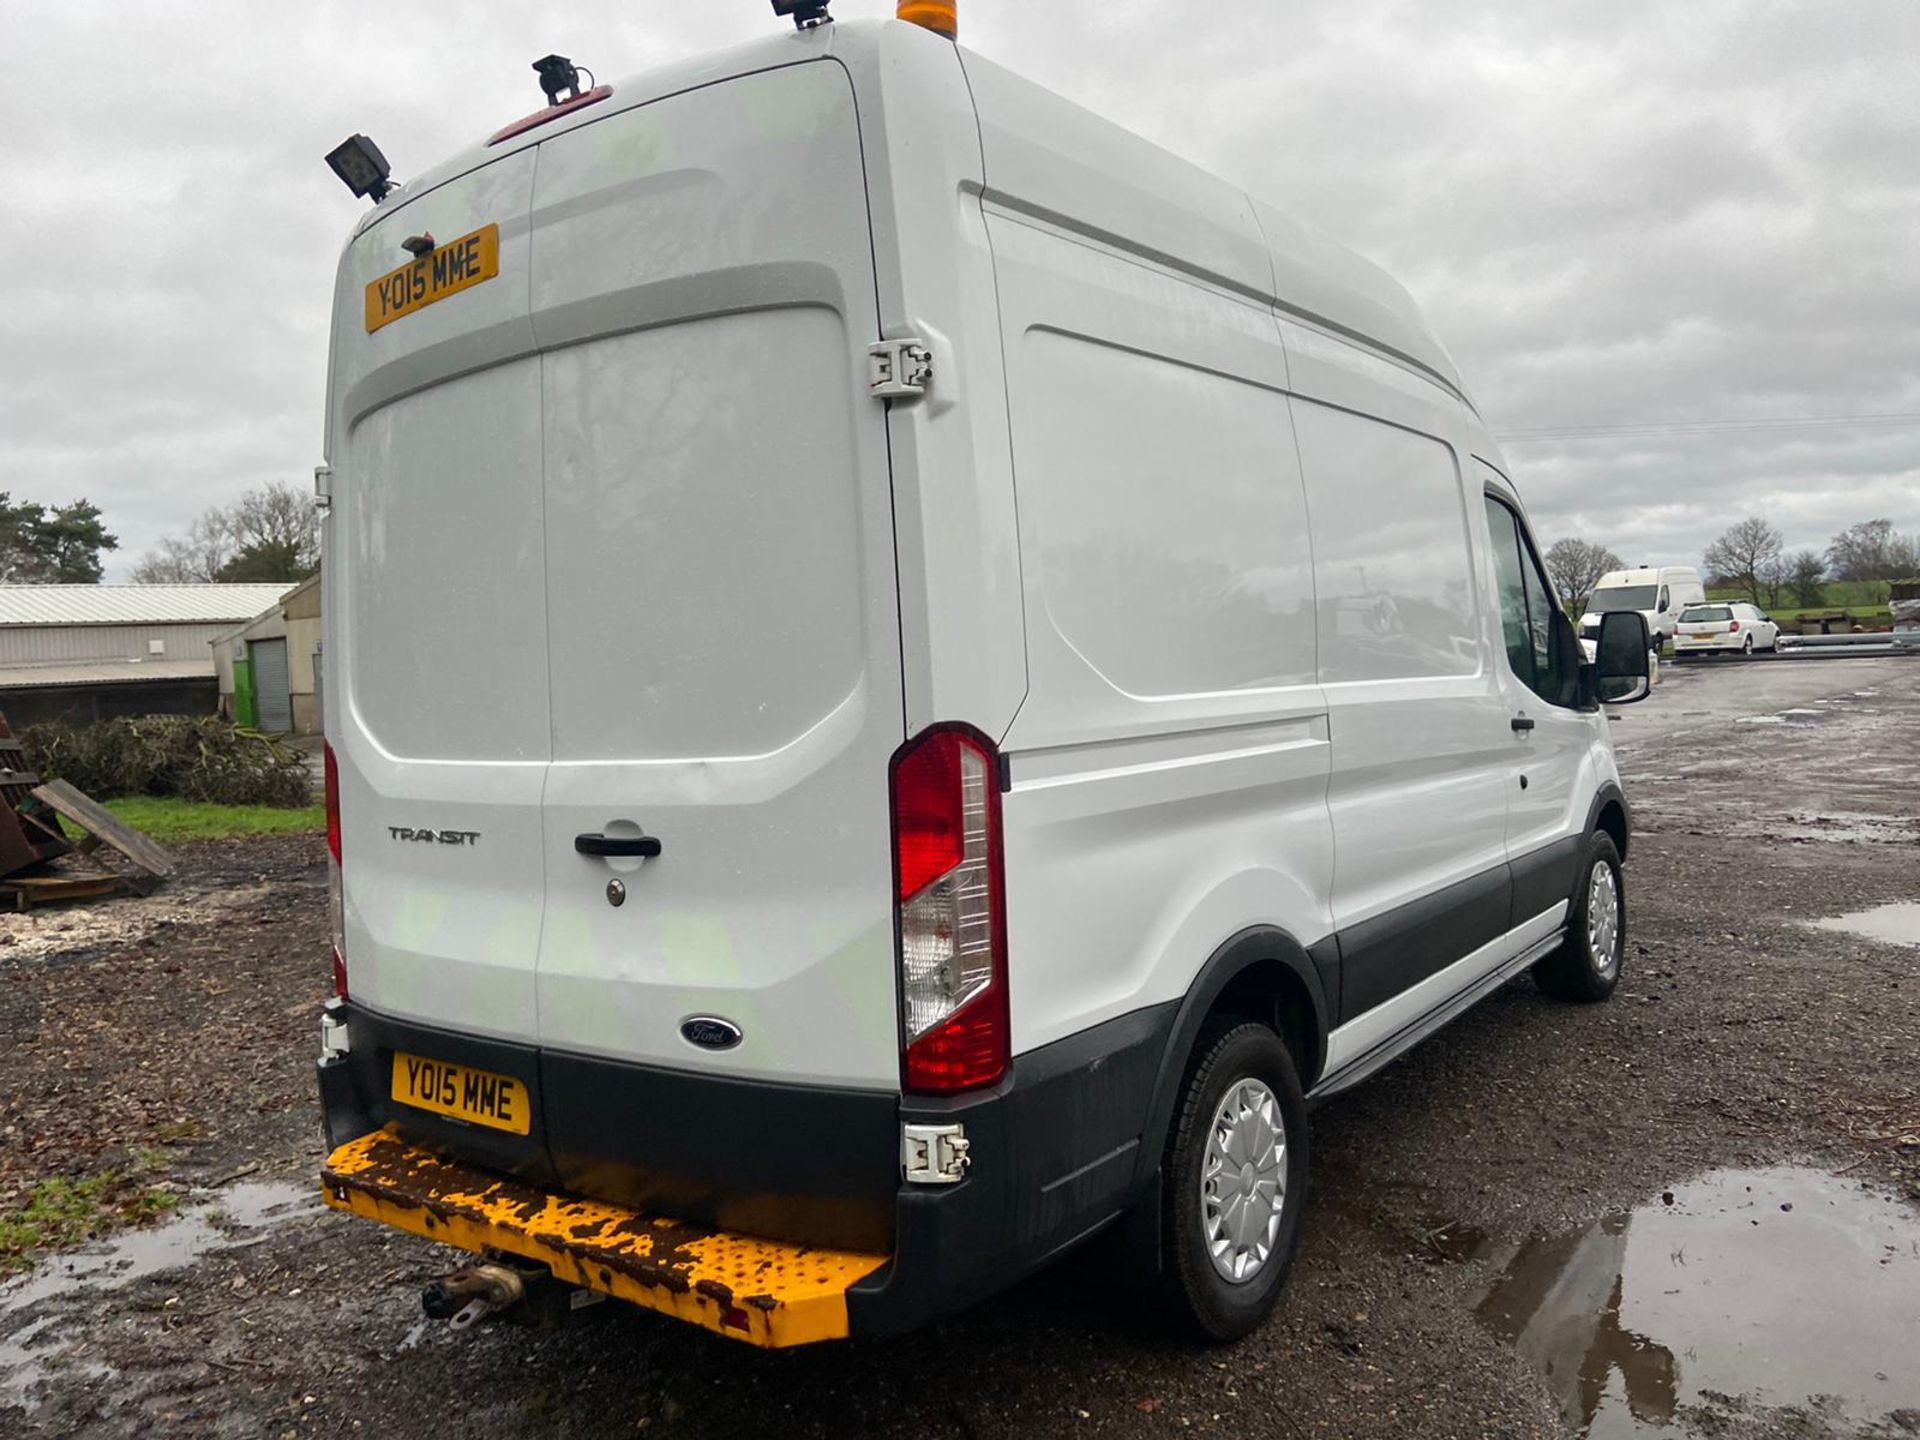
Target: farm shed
268 667
92 652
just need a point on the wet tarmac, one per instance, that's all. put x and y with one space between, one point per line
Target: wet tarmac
1896 924
59 1292
1712 697
1565 1296
1778 1289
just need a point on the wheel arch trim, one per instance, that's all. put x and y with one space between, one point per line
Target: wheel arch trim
1256 945
1610 794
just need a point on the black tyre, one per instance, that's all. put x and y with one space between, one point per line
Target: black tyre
1586 967
1236 1178
1747 649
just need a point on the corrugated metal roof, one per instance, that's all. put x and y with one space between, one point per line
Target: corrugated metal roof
103 672
134 604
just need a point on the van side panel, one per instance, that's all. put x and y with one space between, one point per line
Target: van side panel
1060 163
1422 752
1169 767
1420 740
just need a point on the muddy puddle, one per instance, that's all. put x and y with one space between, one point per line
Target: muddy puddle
1783 1290
44 1313
1896 924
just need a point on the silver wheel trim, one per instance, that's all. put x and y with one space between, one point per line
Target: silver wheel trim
1603 917
1243 1181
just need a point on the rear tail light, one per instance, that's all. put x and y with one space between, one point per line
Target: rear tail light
1734 628
336 897
950 911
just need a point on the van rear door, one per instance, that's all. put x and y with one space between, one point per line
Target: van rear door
722 640
436 626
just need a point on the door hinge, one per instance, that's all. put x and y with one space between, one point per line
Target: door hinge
899 369
323 488
934 1154
335 1042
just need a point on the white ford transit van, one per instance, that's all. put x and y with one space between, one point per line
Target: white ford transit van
909 679
1657 592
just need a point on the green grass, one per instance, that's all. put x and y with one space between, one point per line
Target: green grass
63 1211
166 818
1860 596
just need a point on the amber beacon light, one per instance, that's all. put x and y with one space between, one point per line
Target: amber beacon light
940 16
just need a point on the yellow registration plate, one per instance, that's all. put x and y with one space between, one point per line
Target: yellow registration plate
458 265
497 1101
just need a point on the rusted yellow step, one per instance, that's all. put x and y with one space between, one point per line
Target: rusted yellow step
761 1291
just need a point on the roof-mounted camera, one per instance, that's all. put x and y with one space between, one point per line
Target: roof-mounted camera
807 14
558 73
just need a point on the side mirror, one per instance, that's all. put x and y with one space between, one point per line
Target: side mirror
1568 660
1622 672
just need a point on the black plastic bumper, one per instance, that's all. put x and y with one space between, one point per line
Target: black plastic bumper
1055 1151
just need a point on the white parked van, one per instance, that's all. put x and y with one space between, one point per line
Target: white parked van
1656 592
909 679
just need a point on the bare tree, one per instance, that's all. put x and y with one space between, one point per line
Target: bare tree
1576 567
1744 553
195 557
1872 550
1774 575
270 533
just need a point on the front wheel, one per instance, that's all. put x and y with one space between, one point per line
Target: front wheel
1586 967
1236 1178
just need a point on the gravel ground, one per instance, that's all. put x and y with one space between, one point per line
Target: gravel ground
1740 1037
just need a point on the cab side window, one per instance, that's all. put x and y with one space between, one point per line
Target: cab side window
1666 600
1526 609
1513 589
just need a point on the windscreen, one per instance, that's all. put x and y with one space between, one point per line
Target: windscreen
1697 614
1622 597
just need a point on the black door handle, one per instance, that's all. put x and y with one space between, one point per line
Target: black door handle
642 846
1521 724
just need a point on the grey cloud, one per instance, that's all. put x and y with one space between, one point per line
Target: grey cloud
1615 215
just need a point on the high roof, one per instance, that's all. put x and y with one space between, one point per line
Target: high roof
135 604
1048 156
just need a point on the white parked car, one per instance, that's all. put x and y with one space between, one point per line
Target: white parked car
1734 628
863 602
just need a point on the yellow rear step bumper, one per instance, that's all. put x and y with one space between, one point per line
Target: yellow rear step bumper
761 1291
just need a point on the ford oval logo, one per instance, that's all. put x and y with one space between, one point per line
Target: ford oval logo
710 1032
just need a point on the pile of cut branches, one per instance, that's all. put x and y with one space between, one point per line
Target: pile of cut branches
192 757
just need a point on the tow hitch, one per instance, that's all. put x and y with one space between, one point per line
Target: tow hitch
472 1293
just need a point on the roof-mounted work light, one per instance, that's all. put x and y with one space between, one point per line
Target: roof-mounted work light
361 167
940 16
806 13
558 73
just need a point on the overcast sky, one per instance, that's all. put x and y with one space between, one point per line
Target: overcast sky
1621 217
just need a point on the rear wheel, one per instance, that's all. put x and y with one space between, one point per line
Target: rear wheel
1586 967
1236 1173
1747 648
